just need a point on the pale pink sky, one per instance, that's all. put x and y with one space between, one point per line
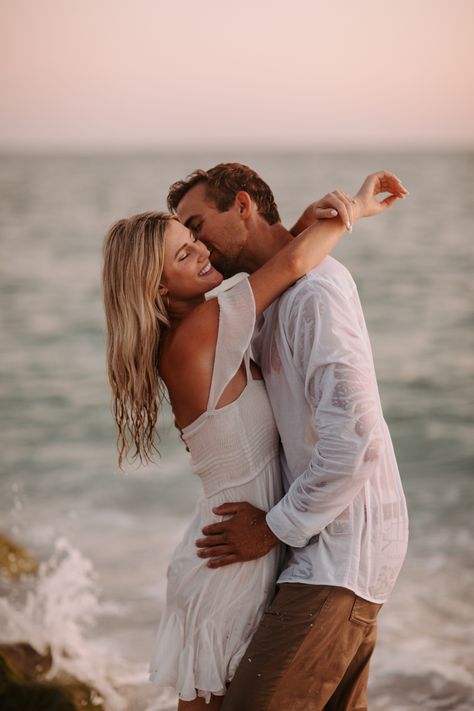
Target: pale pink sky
194 74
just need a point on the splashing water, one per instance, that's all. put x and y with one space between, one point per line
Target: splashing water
55 615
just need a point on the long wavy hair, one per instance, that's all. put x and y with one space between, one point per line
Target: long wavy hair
136 317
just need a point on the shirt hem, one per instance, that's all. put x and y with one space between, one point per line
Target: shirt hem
353 588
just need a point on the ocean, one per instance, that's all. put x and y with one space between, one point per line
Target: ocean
104 536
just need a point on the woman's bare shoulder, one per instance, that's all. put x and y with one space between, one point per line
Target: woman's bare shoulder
190 349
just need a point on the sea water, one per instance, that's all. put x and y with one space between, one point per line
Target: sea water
104 537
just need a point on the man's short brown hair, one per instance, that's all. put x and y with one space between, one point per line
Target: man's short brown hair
223 182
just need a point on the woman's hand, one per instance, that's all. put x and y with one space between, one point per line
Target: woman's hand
364 204
366 201
333 204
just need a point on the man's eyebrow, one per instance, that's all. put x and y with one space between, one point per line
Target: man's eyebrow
190 220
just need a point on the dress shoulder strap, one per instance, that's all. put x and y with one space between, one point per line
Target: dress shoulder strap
236 327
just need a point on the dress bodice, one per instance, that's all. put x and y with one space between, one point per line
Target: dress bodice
231 444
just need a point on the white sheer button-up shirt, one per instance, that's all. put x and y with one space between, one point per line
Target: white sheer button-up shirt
344 513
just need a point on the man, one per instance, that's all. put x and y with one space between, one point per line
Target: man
343 516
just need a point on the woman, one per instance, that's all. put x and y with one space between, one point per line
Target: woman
161 330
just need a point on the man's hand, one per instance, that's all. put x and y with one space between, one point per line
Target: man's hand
245 536
375 184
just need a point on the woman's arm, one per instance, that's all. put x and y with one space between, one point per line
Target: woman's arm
310 247
188 364
328 207
293 261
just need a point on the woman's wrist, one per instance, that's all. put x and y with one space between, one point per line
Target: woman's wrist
358 211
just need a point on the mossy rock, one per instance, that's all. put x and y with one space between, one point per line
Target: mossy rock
15 560
23 688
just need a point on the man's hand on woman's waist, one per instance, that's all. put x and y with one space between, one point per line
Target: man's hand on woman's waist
244 536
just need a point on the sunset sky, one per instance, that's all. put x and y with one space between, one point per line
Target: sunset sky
271 74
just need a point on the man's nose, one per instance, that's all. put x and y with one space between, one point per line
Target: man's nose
204 242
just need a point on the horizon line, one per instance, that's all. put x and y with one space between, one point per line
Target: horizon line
154 149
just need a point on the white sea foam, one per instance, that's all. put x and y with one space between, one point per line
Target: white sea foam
56 614
65 611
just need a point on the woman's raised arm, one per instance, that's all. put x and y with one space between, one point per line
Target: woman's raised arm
310 247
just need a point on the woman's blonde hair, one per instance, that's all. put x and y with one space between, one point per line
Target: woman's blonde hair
133 257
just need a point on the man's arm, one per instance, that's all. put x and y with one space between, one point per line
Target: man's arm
333 355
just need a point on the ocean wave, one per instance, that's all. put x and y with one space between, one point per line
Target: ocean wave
54 616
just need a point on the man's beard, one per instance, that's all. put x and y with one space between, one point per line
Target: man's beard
227 265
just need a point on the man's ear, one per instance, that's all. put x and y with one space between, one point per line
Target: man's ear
244 204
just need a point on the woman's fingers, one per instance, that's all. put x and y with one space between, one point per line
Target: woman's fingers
373 186
340 204
388 201
350 202
390 183
346 210
325 213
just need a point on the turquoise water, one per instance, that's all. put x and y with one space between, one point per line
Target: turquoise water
59 480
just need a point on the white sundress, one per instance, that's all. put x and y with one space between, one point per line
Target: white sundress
211 615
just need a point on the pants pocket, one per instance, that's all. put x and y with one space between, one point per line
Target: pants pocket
364 612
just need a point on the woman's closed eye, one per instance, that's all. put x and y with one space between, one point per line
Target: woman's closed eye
184 255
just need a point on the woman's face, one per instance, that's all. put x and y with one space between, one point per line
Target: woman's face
187 271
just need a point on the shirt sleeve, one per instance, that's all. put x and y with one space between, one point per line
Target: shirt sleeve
331 352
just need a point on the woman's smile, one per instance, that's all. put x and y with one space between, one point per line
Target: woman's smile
205 270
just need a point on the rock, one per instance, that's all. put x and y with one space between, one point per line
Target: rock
15 560
23 687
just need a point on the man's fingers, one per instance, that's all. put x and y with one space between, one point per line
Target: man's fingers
229 508
210 541
215 551
223 560
214 529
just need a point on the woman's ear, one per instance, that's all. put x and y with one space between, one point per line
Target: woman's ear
163 290
244 204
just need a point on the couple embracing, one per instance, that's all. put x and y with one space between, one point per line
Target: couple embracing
298 538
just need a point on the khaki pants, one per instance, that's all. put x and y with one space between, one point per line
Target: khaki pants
310 652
